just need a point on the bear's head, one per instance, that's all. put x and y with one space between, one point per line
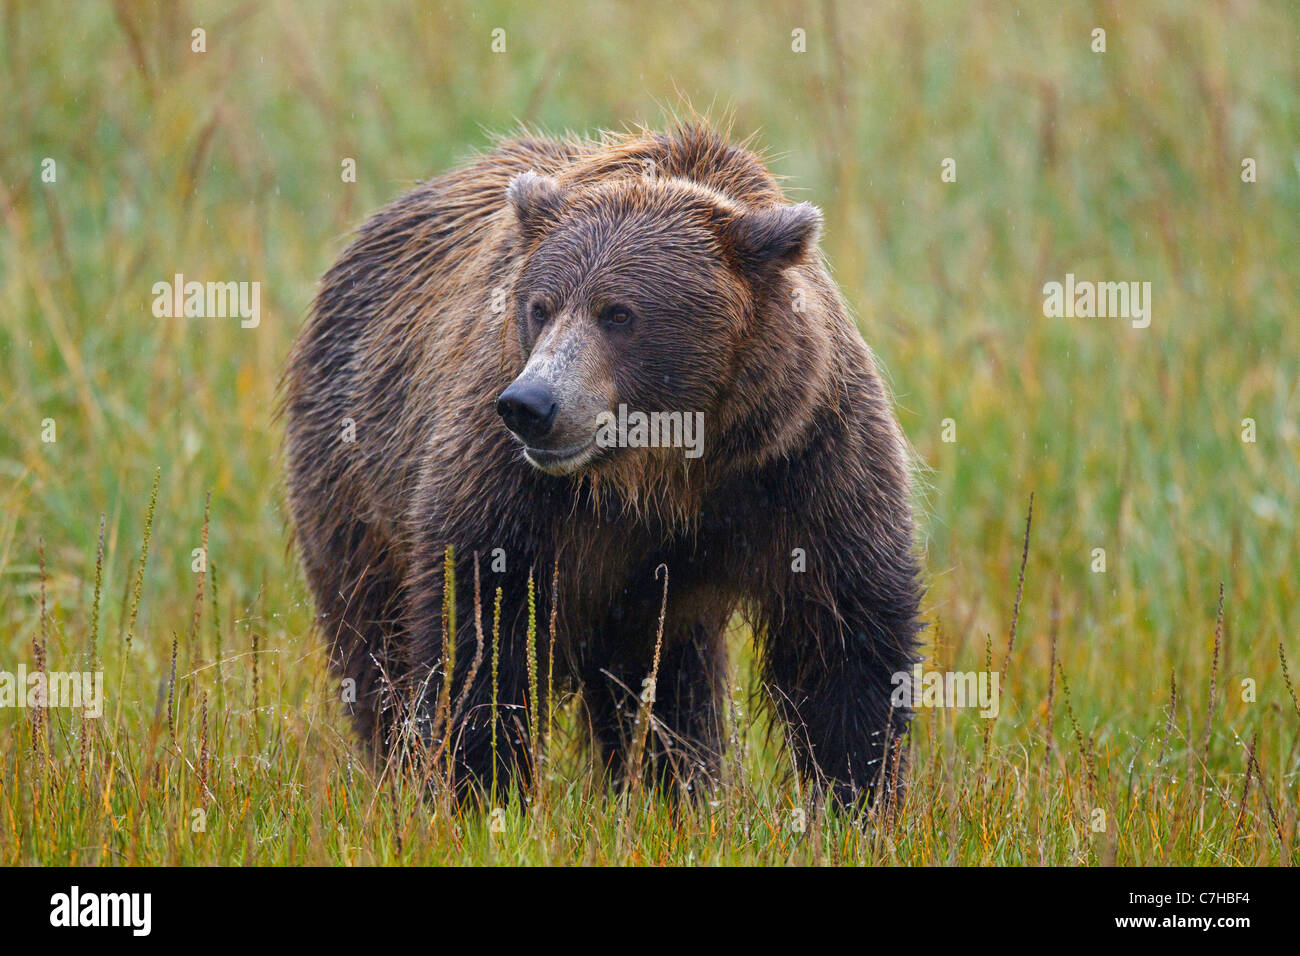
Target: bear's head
632 303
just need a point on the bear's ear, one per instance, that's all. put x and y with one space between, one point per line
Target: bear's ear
772 237
536 200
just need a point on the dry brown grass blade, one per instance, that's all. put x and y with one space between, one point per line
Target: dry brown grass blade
1054 621
1020 590
645 711
1214 679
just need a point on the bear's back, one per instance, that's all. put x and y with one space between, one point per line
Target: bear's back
691 151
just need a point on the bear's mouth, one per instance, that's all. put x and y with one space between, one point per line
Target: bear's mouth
561 461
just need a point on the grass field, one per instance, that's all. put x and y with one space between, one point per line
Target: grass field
1135 725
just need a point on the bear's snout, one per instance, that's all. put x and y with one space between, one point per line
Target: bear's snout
528 409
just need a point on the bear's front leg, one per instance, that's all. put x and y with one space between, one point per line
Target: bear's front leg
840 620
831 682
478 734
681 748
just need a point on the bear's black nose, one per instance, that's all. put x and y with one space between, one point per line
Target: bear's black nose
528 410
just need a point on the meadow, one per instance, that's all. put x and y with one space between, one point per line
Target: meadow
1144 623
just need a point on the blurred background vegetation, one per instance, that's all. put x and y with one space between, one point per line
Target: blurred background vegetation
1117 166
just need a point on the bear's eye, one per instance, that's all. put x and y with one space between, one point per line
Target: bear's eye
617 315
539 313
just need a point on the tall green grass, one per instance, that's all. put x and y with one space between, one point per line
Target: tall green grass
1117 166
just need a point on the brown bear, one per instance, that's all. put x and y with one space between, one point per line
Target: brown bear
477 371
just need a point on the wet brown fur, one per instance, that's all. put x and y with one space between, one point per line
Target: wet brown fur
802 451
